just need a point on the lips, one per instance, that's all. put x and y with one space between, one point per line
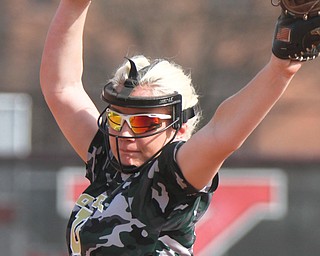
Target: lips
128 151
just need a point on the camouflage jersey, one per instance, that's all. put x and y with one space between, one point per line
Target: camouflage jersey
152 211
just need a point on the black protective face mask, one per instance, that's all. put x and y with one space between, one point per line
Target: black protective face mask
122 97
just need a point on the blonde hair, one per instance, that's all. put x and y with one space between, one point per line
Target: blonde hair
163 77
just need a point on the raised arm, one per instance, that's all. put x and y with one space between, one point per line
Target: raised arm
234 121
296 38
61 74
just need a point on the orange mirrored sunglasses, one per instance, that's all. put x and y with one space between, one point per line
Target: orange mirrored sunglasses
138 123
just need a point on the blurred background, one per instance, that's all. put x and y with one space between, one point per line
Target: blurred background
222 43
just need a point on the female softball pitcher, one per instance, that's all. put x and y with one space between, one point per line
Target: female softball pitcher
151 176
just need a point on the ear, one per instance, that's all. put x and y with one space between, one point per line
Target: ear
182 132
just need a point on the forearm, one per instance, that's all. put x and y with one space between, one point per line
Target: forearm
62 63
239 115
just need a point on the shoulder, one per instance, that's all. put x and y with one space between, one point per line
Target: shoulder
174 177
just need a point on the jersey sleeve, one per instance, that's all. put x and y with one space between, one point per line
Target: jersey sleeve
97 156
171 173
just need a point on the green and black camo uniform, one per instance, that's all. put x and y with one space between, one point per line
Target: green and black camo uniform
149 212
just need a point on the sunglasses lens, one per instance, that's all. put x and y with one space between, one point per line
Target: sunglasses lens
142 124
139 124
114 121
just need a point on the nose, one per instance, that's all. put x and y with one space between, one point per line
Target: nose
126 130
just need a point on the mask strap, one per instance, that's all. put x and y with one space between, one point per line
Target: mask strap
189 113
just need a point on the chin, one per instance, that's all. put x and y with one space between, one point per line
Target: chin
130 162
